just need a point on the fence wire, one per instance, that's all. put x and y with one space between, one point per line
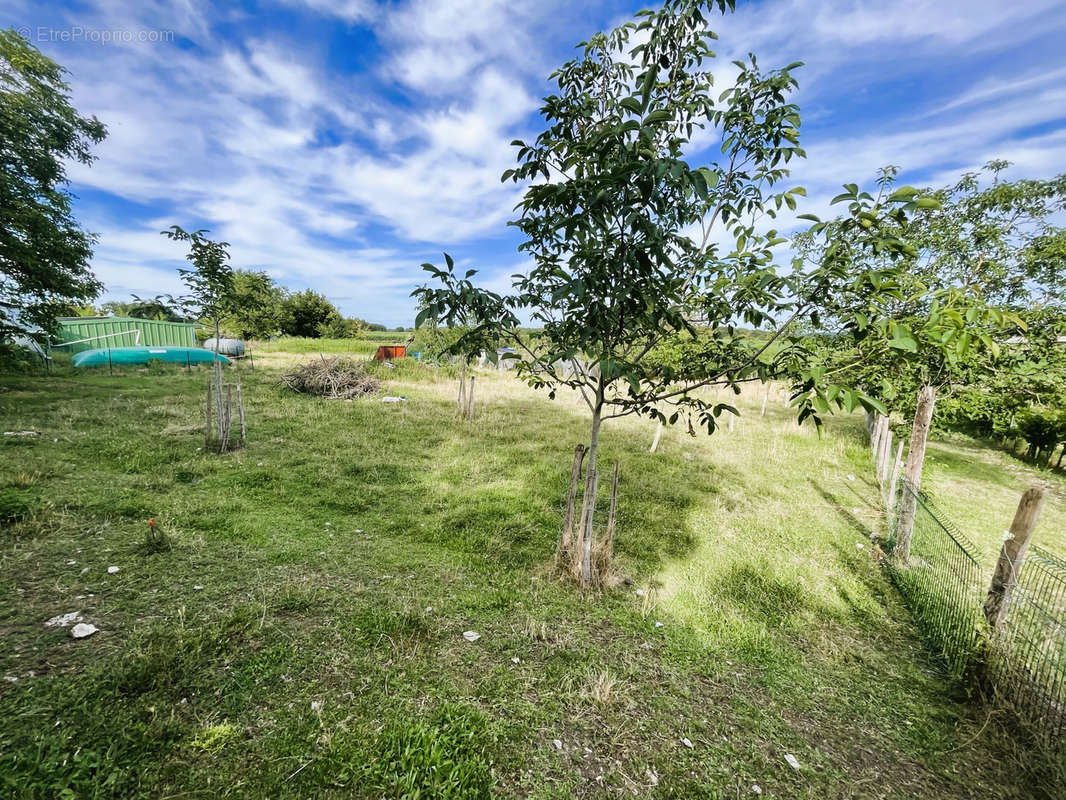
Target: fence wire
1026 664
942 584
945 584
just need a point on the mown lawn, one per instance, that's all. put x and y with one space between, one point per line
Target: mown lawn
303 636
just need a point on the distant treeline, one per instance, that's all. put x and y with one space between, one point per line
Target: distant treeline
259 309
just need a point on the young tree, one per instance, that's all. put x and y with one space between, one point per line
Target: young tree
339 327
162 307
623 233
986 250
44 253
257 305
210 281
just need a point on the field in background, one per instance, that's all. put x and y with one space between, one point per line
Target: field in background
367 344
342 554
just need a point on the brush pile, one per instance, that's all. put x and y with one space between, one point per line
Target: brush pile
336 377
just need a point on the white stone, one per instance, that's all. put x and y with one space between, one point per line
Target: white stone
756 788
197 588
658 624
792 761
429 609
687 743
640 592
471 636
558 744
516 660
112 570
63 620
316 705
83 629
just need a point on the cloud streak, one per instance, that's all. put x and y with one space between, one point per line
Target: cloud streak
340 144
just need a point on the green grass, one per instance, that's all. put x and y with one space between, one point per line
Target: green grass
366 344
344 551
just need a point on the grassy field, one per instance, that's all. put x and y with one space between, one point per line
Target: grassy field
365 345
303 635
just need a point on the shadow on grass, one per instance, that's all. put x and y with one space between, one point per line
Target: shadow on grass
500 486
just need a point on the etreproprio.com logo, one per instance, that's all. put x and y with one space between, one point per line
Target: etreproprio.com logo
79 33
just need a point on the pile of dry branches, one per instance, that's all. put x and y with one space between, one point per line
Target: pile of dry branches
337 377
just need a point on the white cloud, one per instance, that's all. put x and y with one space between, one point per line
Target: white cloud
346 179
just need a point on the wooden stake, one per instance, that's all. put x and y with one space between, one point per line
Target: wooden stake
655 439
568 520
218 397
885 448
207 414
470 400
227 418
608 545
765 397
732 420
586 554
582 525
240 410
461 402
893 482
923 415
1012 555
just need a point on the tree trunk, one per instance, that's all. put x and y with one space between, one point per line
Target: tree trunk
923 415
655 439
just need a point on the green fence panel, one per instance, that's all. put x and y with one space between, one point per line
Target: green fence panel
101 331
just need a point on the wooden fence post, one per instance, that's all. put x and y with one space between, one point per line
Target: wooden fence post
893 480
1012 556
923 416
885 448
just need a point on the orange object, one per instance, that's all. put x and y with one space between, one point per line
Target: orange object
389 352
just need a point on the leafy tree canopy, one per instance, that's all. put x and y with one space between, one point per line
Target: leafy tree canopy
308 313
624 233
44 253
256 311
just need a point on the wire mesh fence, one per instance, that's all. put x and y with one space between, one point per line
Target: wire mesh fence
942 584
1026 662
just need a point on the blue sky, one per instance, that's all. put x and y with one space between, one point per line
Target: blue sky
338 145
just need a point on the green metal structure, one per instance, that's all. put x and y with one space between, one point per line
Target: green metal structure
109 356
88 333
